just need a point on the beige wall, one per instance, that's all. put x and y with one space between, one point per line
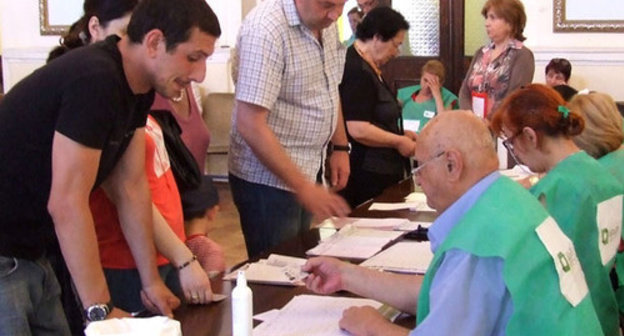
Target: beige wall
597 58
474 26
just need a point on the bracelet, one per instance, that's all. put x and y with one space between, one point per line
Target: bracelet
187 263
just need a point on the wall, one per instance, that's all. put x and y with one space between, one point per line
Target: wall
597 58
474 26
24 49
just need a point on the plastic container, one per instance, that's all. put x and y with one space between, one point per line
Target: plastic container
242 307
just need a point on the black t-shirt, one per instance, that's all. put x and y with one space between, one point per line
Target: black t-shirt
83 95
365 98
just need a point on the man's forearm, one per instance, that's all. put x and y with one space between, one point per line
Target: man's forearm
374 284
77 239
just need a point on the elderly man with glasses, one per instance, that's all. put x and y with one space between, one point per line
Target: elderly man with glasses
501 264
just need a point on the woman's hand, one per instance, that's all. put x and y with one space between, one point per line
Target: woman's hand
195 284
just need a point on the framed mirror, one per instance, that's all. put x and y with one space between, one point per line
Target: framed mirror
601 16
55 16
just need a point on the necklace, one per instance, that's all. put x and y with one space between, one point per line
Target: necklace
178 98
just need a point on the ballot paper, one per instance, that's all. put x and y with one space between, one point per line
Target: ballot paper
371 223
379 206
311 315
130 326
403 257
354 243
413 202
518 172
275 270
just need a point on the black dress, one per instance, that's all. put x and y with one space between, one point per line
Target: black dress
367 98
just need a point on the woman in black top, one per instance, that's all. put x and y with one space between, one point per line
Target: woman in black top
371 111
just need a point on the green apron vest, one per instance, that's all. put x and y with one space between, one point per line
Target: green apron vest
503 223
572 192
614 162
423 112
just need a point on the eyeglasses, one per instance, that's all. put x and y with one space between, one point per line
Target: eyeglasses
416 171
508 143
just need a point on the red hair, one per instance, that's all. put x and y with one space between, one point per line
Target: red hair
539 107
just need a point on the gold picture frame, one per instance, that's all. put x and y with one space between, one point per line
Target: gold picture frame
561 23
55 16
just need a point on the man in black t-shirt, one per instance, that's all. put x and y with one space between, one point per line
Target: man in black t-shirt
75 124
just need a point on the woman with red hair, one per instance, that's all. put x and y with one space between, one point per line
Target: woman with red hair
580 194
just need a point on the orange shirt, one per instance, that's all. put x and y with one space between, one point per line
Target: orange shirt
114 251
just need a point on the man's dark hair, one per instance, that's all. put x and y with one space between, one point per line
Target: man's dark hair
382 21
175 18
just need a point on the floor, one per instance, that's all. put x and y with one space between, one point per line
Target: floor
226 230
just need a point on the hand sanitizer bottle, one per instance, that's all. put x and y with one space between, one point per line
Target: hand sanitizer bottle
242 303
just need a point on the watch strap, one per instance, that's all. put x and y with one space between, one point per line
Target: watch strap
344 148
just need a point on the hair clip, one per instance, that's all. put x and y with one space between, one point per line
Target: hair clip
563 110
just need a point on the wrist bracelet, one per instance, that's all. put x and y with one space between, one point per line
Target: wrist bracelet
187 263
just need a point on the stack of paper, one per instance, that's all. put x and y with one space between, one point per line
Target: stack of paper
311 315
276 270
415 201
403 257
354 243
371 223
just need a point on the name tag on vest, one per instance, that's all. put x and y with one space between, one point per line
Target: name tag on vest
571 277
609 219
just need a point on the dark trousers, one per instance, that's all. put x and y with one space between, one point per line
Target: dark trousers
364 185
268 215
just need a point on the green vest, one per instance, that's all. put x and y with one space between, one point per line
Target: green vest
572 192
503 223
423 112
614 162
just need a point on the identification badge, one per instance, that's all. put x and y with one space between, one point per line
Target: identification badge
571 277
429 114
411 125
479 104
609 219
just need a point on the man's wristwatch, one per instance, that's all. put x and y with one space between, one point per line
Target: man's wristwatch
98 311
344 148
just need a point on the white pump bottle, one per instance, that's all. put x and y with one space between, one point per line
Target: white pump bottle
242 307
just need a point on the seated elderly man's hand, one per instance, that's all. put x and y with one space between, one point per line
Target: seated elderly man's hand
326 275
364 320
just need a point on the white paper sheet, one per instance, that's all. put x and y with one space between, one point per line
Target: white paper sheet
404 257
311 315
132 326
354 243
276 270
379 206
373 223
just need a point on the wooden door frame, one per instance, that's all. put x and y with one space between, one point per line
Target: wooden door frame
402 69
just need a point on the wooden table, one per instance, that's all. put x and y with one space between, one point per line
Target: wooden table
216 319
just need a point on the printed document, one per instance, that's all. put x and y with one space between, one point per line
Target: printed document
311 315
354 243
276 270
403 257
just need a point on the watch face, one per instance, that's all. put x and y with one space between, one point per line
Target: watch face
97 313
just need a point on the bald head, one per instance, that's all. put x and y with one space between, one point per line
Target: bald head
469 155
